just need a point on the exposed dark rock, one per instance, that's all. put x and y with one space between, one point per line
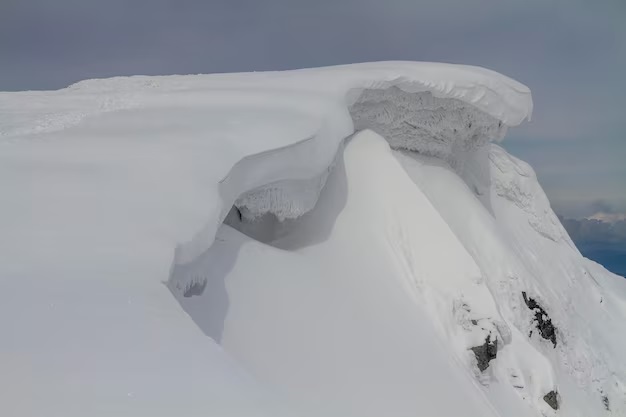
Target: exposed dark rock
605 401
542 320
485 353
197 288
552 399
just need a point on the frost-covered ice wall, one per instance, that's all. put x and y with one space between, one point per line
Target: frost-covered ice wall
420 122
446 128
434 117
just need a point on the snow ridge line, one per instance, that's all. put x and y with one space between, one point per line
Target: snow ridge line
495 94
260 183
286 181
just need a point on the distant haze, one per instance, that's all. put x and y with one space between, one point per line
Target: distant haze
602 241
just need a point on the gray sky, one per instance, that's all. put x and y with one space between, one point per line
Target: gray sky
570 53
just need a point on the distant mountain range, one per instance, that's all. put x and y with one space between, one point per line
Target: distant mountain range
601 238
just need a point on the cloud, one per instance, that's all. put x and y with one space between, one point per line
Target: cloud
602 206
608 217
581 177
585 231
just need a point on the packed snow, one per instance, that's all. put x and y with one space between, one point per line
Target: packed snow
341 241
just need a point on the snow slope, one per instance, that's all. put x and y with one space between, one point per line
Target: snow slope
322 272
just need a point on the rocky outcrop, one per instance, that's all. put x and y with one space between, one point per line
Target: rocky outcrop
542 320
195 288
486 352
605 402
552 399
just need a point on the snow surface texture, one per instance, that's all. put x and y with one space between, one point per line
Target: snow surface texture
335 273
420 122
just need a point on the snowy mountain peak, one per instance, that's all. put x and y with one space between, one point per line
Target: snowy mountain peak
341 241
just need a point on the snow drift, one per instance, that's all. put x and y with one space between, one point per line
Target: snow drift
350 239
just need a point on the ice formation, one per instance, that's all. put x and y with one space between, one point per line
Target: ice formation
442 127
341 241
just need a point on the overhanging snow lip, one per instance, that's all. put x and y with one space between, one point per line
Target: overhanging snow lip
498 95
327 90
482 97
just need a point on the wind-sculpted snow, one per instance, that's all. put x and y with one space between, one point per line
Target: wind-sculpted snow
367 281
37 112
507 225
516 181
251 101
471 95
443 127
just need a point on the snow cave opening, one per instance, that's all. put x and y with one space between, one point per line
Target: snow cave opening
312 226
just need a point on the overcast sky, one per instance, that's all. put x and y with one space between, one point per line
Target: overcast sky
572 54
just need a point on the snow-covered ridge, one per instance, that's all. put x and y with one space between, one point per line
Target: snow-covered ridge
408 102
501 97
325 105
349 235
495 94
